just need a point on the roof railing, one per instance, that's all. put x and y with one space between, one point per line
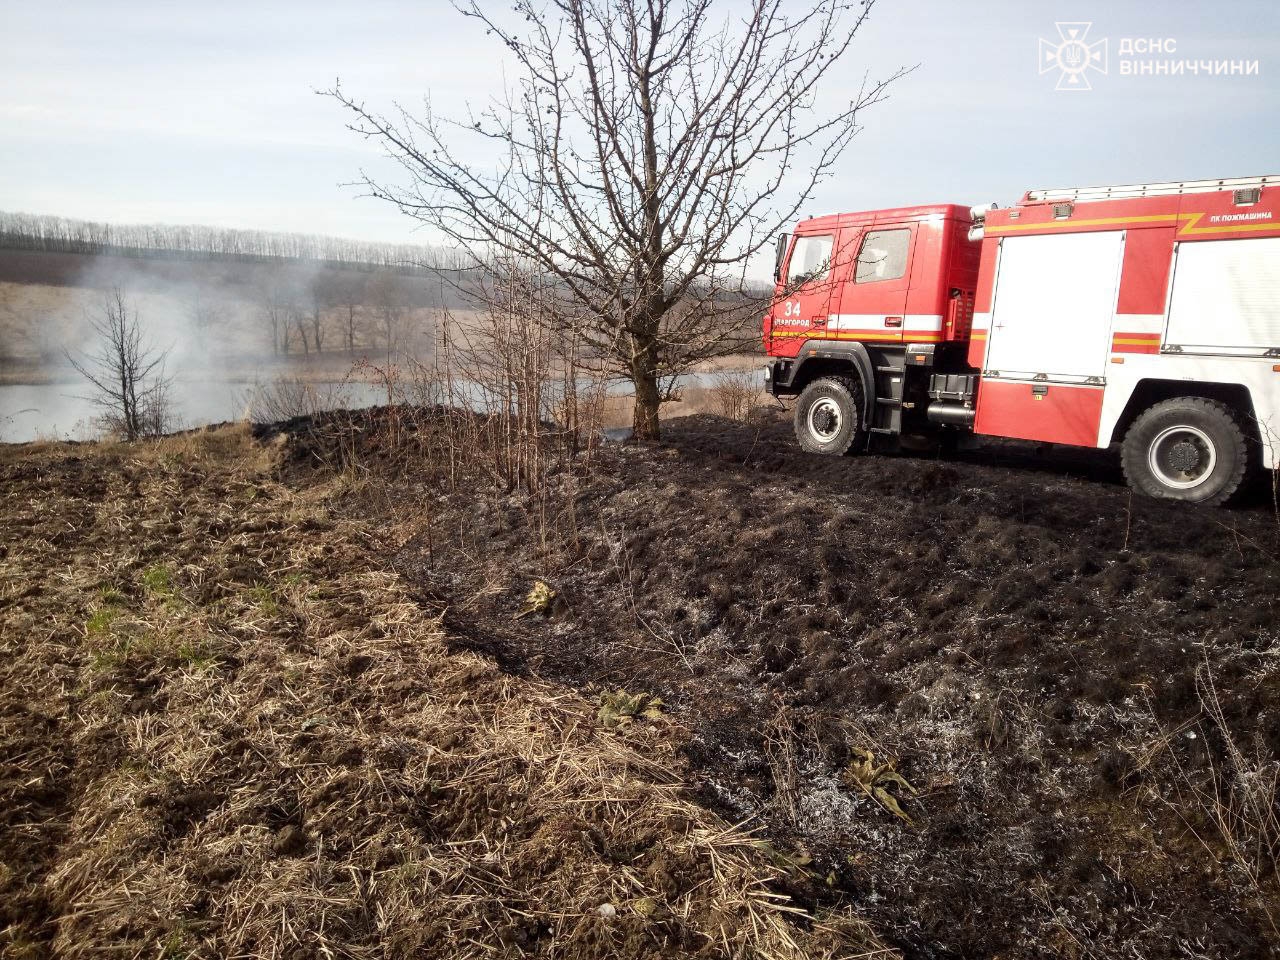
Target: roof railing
1130 190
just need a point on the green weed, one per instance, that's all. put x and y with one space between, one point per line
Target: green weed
101 621
619 708
195 655
265 599
112 597
156 580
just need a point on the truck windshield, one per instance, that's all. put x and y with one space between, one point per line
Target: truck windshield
810 258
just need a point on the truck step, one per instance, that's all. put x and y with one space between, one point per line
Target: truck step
889 401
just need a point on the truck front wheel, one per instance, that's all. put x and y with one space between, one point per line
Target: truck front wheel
1187 448
829 415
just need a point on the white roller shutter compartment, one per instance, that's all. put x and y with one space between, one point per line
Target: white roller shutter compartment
1054 301
1226 294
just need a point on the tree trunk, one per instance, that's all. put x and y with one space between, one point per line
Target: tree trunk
644 421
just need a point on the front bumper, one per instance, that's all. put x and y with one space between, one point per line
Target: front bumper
777 377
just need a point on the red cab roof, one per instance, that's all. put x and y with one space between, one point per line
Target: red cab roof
932 211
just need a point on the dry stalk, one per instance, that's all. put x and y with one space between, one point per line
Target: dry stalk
621 561
780 749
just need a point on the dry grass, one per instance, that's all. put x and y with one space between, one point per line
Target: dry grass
229 730
1229 806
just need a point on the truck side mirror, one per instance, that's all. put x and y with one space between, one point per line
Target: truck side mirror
779 255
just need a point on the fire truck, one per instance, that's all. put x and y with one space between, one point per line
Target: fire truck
1144 317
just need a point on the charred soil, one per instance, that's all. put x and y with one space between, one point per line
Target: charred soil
995 703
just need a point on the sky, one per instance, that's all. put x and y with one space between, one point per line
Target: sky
145 111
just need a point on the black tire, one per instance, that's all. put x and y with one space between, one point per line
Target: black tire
829 415
1188 448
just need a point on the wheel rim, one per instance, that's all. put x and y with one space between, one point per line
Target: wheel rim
1182 457
825 419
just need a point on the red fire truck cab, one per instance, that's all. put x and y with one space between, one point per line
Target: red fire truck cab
1145 316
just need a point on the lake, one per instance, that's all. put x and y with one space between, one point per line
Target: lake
61 411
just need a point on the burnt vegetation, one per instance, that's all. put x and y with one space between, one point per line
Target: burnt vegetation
997 706
993 706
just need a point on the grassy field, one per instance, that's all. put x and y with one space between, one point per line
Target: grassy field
228 728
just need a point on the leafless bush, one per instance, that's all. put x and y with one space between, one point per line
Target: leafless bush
287 397
126 372
734 393
504 403
530 404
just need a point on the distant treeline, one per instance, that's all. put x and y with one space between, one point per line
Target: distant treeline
25 231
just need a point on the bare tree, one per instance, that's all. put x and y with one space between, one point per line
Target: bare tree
387 297
274 308
204 314
298 316
319 289
126 372
637 161
350 295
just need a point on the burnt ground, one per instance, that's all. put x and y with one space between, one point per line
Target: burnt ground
1081 685
253 705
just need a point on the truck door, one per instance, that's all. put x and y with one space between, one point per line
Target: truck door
803 313
872 305
1051 314
1054 299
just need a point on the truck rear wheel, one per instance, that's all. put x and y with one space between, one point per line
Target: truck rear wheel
1187 448
829 415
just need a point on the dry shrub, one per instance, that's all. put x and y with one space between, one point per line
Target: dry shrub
735 392
262 746
285 398
504 404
